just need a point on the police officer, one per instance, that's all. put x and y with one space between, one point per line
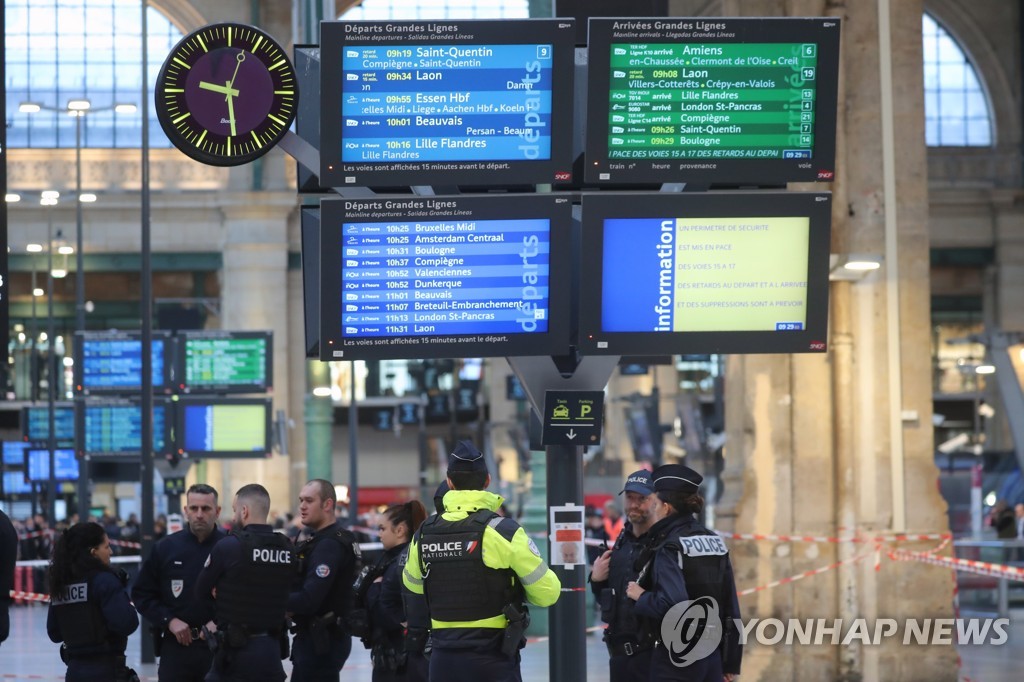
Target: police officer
246 581
685 562
475 568
8 559
320 603
164 592
629 658
89 607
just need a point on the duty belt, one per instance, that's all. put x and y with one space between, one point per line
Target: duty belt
623 645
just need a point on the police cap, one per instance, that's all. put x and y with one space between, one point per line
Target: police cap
638 482
675 477
466 457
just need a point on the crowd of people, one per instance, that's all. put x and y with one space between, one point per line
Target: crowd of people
445 599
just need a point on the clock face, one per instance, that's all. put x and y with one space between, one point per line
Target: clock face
226 94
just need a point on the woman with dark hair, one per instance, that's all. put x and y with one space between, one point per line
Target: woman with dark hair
396 657
685 577
90 612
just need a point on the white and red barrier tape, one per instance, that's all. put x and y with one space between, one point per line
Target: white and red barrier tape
962 565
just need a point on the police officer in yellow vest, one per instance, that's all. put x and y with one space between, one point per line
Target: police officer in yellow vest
476 568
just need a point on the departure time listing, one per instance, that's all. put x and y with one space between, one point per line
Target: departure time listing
445 278
712 100
446 102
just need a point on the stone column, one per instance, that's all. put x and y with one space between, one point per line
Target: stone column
254 295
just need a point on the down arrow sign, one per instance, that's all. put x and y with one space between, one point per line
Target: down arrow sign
571 434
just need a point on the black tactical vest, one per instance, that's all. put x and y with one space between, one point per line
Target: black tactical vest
705 560
81 621
254 593
620 617
457 584
339 599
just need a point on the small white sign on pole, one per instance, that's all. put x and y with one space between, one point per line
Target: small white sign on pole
566 524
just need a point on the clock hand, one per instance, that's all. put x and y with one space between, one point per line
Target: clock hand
239 58
231 108
203 85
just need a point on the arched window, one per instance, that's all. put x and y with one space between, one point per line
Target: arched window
60 50
439 9
956 108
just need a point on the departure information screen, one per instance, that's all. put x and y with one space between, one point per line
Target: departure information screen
225 428
14 453
117 428
112 364
472 97
235 360
15 483
439 270
65 466
36 426
712 100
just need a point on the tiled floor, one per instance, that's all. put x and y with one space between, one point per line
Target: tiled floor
29 655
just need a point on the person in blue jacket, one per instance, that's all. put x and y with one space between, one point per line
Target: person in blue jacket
686 578
164 592
90 613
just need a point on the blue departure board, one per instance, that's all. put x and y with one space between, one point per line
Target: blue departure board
112 362
65 466
116 427
15 483
480 102
36 424
14 452
443 276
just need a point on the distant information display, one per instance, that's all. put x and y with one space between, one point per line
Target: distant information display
65 466
118 428
705 274
225 362
411 281
14 453
469 96
37 423
113 364
699 101
225 428
725 100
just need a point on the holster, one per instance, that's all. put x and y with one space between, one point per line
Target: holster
384 657
320 628
416 640
122 672
515 633
157 633
359 623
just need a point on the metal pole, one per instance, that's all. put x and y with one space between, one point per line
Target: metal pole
567 617
82 486
146 313
51 384
353 443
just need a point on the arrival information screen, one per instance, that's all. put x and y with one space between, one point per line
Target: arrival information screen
712 101
411 278
705 274
446 102
222 362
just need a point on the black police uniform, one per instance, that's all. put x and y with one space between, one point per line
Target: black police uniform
93 618
684 561
629 652
8 559
165 589
628 649
394 658
251 570
321 602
